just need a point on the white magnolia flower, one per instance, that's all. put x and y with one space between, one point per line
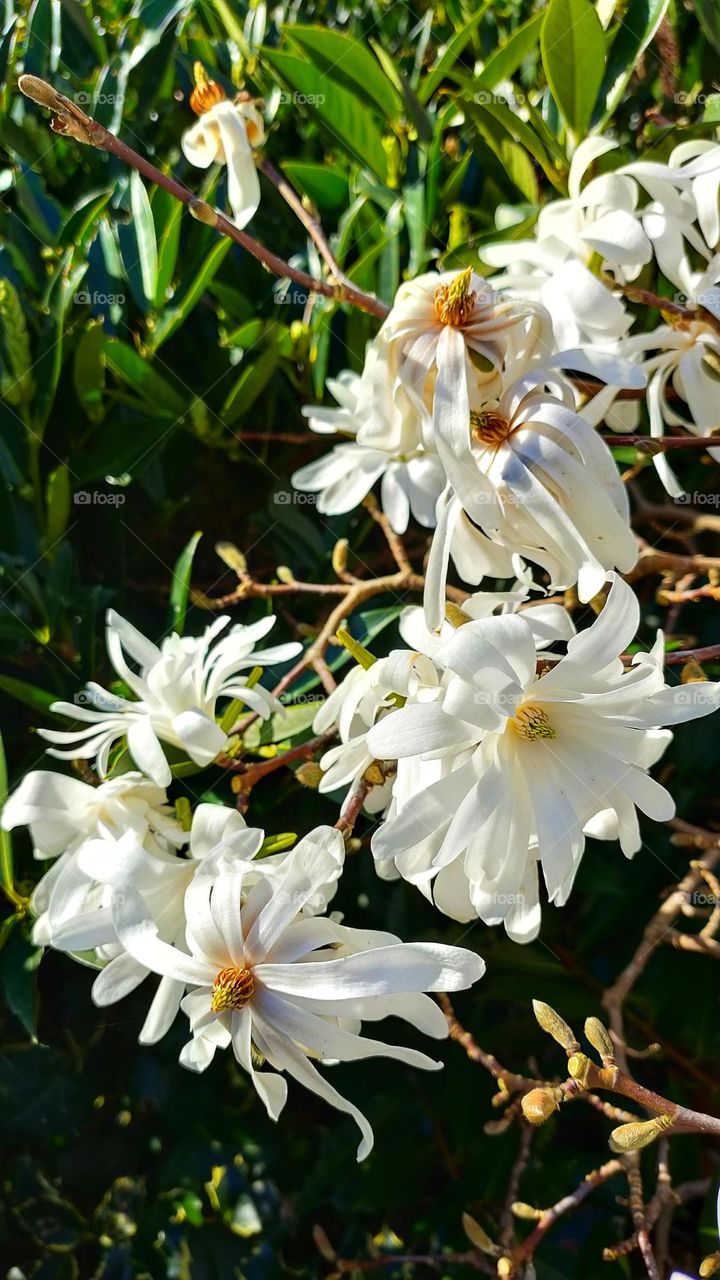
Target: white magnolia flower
444 332
542 485
410 483
178 685
63 812
549 623
226 133
269 981
352 708
74 900
525 761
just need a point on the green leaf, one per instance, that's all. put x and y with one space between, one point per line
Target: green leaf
180 589
709 17
18 966
635 31
125 362
340 111
167 215
252 381
144 227
450 54
57 497
83 220
28 693
6 849
89 371
346 60
573 54
325 184
189 295
504 62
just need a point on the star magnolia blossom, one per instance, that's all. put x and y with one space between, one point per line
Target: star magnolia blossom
365 695
269 981
178 686
524 762
541 484
226 133
74 900
409 484
63 812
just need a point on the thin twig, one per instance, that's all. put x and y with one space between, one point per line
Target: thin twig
70 121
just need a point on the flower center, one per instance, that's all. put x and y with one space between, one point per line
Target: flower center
489 426
454 302
207 93
532 723
232 989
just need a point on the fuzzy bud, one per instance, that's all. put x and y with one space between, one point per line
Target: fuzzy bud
555 1026
599 1037
638 1134
309 775
710 1265
539 1104
477 1236
526 1212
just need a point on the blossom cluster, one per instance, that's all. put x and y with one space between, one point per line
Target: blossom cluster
491 745
465 408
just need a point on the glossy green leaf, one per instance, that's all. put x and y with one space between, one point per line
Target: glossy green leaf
39 699
189 294
58 497
89 370
325 184
144 226
253 379
139 374
180 588
340 111
573 54
450 54
504 62
347 61
638 24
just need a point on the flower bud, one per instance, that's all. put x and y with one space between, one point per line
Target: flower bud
477 1236
579 1065
340 556
638 1134
526 1212
555 1026
599 1037
710 1265
539 1104
362 656
309 775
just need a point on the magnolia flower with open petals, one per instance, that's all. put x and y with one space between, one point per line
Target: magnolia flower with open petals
269 981
178 685
542 486
444 331
63 812
410 484
527 760
226 133
74 901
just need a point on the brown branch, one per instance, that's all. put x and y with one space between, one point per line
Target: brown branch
311 223
659 444
526 1249
70 121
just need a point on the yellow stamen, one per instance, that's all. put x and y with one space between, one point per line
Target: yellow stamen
454 302
532 723
207 93
232 989
489 426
